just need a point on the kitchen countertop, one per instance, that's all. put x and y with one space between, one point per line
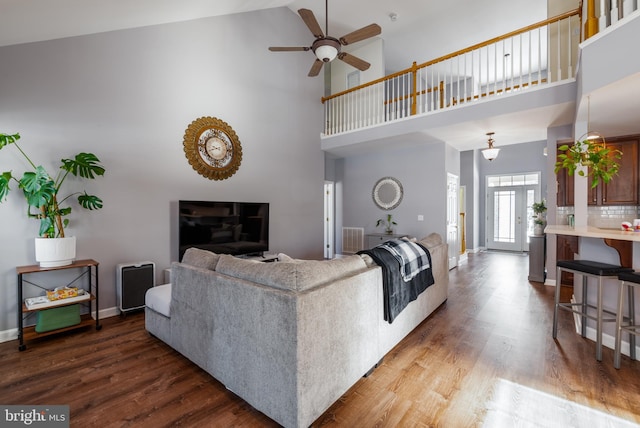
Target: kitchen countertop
592 232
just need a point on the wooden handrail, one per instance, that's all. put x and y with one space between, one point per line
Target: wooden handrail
414 68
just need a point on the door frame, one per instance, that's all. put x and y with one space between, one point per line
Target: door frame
453 213
329 220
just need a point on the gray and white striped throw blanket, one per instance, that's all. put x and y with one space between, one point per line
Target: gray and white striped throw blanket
412 257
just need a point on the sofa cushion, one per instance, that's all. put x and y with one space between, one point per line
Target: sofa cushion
285 258
159 299
200 258
297 275
431 241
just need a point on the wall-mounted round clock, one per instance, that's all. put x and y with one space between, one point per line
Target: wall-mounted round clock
212 148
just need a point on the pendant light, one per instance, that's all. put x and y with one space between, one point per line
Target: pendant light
490 153
591 135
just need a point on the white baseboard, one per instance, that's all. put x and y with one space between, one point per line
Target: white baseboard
473 250
12 334
7 335
607 340
551 282
109 312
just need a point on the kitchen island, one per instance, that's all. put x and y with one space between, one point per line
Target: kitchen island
620 240
593 232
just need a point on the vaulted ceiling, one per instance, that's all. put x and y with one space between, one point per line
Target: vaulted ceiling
408 38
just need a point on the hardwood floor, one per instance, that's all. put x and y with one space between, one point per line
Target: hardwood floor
485 358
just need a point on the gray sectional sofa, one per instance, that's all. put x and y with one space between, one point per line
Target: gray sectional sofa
289 337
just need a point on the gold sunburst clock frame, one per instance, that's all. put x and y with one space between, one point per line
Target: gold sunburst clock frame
212 148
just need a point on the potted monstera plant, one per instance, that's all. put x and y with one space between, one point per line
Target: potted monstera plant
41 191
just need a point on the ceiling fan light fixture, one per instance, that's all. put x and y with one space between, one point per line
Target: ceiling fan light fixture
491 152
326 49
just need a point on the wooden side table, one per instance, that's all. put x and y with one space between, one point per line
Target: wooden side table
89 268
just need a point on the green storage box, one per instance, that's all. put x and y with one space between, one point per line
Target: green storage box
55 318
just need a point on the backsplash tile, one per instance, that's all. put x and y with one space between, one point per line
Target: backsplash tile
608 217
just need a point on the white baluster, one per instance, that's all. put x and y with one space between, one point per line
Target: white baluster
458 79
602 20
390 100
479 84
628 6
342 120
368 105
530 57
614 12
403 91
540 56
569 48
465 77
350 111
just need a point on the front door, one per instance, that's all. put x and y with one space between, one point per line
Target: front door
509 200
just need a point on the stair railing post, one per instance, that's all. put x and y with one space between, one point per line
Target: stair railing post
414 91
591 25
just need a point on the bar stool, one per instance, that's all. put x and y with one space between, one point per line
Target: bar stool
587 269
630 280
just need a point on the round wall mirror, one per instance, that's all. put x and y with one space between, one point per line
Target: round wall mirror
387 193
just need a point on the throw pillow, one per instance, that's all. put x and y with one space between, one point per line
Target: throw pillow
200 258
432 240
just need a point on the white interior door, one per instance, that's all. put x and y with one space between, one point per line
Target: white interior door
329 240
453 182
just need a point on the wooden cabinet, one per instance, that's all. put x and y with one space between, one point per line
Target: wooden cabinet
566 188
623 189
566 247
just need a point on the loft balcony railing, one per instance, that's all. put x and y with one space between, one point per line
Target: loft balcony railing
606 13
539 54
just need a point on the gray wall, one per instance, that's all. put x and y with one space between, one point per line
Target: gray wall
516 158
554 135
470 177
423 175
128 96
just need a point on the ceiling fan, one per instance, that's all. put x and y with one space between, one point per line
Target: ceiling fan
327 48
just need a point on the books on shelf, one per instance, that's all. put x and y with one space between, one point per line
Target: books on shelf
42 302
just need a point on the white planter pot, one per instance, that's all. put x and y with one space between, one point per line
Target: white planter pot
538 229
53 252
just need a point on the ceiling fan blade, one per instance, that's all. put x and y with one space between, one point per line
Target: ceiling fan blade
315 68
354 61
287 49
309 18
361 34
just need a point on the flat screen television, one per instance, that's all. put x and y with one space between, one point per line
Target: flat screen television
236 228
